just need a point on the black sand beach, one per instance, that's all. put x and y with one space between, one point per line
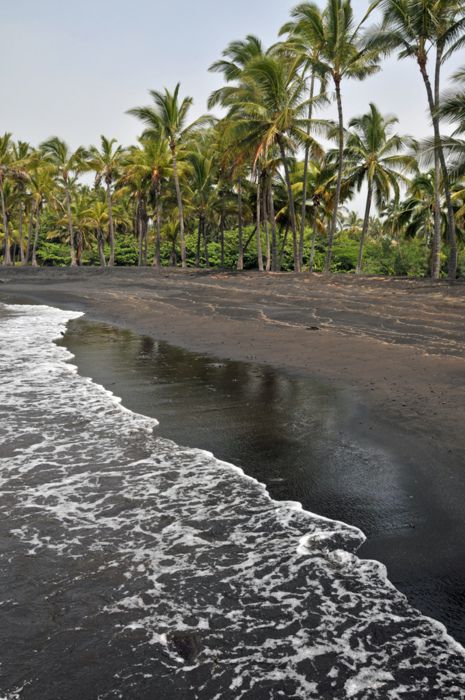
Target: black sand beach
364 424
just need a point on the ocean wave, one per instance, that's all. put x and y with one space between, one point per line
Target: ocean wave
157 569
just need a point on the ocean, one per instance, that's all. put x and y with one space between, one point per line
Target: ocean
132 567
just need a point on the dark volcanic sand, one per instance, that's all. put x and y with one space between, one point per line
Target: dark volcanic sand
387 359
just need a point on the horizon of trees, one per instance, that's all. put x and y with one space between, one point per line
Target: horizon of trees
268 185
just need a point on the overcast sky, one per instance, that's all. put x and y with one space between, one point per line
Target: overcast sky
74 68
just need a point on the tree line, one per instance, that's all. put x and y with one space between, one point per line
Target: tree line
268 184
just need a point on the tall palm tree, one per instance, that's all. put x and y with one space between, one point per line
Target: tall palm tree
342 57
305 40
107 163
373 155
68 164
43 190
14 163
149 165
268 110
22 157
168 118
413 27
235 58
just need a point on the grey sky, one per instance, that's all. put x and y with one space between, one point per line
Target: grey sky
74 68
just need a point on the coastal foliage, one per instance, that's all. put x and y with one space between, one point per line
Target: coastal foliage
270 184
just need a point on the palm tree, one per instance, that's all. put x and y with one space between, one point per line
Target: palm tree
236 57
67 164
14 169
149 166
168 118
342 56
416 215
106 163
413 27
43 187
373 155
95 216
452 110
306 42
268 110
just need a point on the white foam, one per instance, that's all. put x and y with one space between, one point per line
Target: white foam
271 591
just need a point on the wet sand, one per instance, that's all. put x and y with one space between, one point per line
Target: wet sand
395 348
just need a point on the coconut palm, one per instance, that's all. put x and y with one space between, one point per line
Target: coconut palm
147 168
413 27
95 217
342 57
306 42
14 170
67 164
373 155
268 110
43 189
452 110
168 118
236 56
107 163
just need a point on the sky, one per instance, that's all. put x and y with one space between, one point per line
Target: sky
72 69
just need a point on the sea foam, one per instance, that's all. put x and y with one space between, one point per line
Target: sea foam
155 569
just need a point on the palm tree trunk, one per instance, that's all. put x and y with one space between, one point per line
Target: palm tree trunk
240 260
111 226
139 235
21 242
6 237
332 228
291 205
436 254
79 247
258 229
222 217
445 173
266 221
72 251
36 239
29 237
156 259
272 218
366 221
312 251
283 246
205 240
306 163
180 209
101 249
199 242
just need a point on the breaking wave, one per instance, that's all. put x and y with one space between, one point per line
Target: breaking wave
132 567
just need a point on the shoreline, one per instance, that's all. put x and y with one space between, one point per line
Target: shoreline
398 388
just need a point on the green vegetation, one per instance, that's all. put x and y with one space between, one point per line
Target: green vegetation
270 184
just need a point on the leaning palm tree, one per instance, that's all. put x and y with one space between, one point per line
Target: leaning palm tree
168 118
106 163
373 155
67 164
413 28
